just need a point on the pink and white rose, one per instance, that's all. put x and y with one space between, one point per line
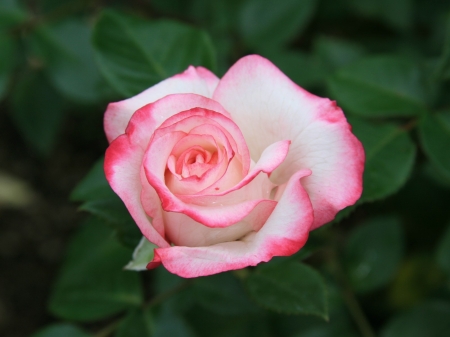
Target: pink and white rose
226 173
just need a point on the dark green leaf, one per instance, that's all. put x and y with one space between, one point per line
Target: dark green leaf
443 252
208 323
267 23
303 69
7 59
59 330
223 294
397 14
326 331
69 60
135 54
290 287
100 200
383 86
38 111
116 215
94 185
373 253
442 69
435 138
138 323
92 283
429 319
142 255
169 323
335 53
165 281
11 14
390 157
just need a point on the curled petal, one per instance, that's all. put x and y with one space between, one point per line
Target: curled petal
212 211
184 231
194 119
270 159
192 81
147 119
284 233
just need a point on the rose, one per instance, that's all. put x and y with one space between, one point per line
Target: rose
191 159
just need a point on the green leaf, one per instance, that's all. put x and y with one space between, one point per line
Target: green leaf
59 330
390 157
223 294
442 69
443 252
373 253
290 287
138 323
7 46
68 59
142 255
266 23
382 86
397 14
94 185
335 53
434 133
303 69
11 14
100 200
169 323
429 319
116 215
92 283
135 54
38 112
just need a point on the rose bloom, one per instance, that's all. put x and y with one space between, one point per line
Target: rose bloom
226 173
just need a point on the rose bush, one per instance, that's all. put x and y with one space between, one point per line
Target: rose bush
226 173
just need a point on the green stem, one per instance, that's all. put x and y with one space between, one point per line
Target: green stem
350 299
169 293
110 328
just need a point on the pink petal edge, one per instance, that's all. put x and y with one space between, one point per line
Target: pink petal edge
268 107
194 80
284 233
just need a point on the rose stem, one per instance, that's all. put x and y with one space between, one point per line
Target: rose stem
350 299
110 328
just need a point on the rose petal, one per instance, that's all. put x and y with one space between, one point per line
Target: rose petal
184 231
270 159
216 213
269 107
284 233
180 185
211 216
122 170
198 81
195 118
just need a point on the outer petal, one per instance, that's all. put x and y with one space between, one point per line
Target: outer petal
268 107
122 169
284 233
194 80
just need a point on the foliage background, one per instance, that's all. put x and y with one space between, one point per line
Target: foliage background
382 268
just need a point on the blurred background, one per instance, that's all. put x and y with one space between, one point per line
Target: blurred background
387 63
